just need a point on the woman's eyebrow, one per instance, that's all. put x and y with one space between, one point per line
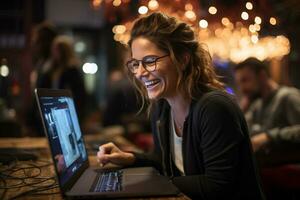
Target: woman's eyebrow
132 58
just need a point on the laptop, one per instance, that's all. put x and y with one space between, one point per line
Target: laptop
76 178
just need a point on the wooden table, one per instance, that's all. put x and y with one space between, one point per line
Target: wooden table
40 146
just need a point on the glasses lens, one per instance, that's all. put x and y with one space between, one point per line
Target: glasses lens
150 62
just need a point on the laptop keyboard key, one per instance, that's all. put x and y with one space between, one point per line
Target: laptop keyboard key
108 182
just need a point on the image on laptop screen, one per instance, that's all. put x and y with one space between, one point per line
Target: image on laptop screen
64 134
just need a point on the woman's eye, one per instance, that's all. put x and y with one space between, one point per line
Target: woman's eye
135 64
150 60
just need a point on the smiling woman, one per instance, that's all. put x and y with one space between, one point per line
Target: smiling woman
161 81
149 64
200 135
158 35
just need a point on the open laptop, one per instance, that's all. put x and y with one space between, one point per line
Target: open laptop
78 180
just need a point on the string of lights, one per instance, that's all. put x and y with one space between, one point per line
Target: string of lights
227 38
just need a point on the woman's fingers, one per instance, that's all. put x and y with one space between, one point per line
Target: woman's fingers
101 158
107 148
105 152
111 153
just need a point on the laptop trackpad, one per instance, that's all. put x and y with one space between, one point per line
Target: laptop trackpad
144 183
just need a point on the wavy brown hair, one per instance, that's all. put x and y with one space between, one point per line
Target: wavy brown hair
179 41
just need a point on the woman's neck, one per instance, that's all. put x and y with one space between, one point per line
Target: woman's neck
180 106
179 103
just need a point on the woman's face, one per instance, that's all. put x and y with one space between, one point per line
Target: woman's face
160 83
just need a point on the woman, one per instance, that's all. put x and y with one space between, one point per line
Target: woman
201 138
64 72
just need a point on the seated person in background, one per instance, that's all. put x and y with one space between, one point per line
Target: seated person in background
200 135
42 39
122 100
122 108
64 72
274 117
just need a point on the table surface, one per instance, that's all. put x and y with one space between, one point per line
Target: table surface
40 147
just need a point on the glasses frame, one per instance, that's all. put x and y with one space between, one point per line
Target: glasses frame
144 65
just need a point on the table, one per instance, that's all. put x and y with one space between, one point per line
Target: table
40 147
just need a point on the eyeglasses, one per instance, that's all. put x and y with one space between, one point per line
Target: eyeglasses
148 62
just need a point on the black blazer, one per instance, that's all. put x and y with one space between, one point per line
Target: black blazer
216 150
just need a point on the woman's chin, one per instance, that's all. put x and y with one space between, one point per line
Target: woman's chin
154 96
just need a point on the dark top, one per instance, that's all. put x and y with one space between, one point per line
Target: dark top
121 102
217 156
71 79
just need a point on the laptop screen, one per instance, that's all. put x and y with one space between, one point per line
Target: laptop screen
64 134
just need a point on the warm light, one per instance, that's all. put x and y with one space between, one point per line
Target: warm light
79 47
273 21
249 5
114 29
188 6
243 42
119 29
257 27
257 20
254 38
228 41
225 21
252 28
239 43
117 2
218 32
4 71
90 68
117 37
96 3
203 23
153 5
190 15
143 10
238 24
230 26
245 15
212 10
244 31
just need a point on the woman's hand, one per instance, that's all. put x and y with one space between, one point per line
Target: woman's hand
259 141
110 153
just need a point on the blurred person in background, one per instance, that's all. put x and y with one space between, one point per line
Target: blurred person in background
122 101
123 104
122 107
42 38
64 72
200 135
273 113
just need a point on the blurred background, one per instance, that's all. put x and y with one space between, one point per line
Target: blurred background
44 43
81 45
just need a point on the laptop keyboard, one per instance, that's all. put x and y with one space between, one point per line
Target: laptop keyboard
108 182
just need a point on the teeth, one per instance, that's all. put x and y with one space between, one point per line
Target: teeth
153 82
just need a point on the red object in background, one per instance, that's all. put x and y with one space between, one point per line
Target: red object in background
143 140
285 176
15 88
